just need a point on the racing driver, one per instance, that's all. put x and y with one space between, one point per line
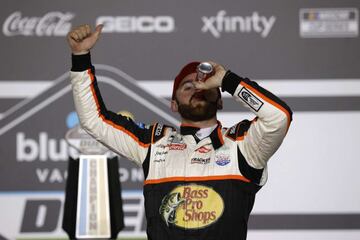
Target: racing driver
200 182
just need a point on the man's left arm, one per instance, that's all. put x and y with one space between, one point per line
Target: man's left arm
259 139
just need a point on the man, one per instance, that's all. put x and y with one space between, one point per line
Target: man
200 184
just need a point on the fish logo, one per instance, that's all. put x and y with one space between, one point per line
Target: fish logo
168 207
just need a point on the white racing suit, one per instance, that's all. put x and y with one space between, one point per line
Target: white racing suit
193 190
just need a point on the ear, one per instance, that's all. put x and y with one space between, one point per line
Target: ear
219 104
174 106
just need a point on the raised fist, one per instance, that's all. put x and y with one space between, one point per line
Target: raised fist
81 39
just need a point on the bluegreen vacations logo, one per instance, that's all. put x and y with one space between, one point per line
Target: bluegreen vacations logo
254 23
44 148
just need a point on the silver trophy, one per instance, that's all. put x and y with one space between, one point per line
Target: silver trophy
93 205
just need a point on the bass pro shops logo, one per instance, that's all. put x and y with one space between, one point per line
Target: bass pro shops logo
191 206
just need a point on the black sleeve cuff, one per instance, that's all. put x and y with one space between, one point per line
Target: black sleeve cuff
230 82
80 62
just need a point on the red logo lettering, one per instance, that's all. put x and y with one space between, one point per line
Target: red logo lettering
177 146
203 149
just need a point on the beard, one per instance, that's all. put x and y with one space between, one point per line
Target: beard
199 112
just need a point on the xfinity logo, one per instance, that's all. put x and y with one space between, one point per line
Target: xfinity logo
140 24
221 23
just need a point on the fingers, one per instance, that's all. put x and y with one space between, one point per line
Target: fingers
83 31
213 81
80 33
216 66
98 29
87 29
212 63
200 85
74 36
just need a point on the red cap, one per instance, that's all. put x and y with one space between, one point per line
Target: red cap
186 70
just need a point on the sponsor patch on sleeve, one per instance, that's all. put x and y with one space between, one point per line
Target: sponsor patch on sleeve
238 130
231 133
158 132
250 99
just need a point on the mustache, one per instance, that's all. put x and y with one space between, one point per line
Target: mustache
203 96
200 95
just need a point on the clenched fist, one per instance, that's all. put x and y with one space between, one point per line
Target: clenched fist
214 81
81 39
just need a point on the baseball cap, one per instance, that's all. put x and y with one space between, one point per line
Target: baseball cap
186 70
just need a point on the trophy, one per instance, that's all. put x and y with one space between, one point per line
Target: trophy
88 206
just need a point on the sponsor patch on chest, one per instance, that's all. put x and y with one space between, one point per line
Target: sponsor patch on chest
176 143
200 160
203 149
222 159
191 206
177 146
222 156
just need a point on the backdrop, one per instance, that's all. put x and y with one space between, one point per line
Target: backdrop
306 52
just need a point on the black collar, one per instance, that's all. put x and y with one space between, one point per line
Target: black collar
215 136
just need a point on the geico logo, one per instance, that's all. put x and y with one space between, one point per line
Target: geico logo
43 148
230 24
142 24
51 24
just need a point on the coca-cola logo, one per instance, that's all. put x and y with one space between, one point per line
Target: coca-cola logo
51 24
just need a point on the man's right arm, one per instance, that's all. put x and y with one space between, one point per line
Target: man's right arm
115 131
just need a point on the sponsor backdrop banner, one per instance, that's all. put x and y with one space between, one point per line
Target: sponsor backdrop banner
307 52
